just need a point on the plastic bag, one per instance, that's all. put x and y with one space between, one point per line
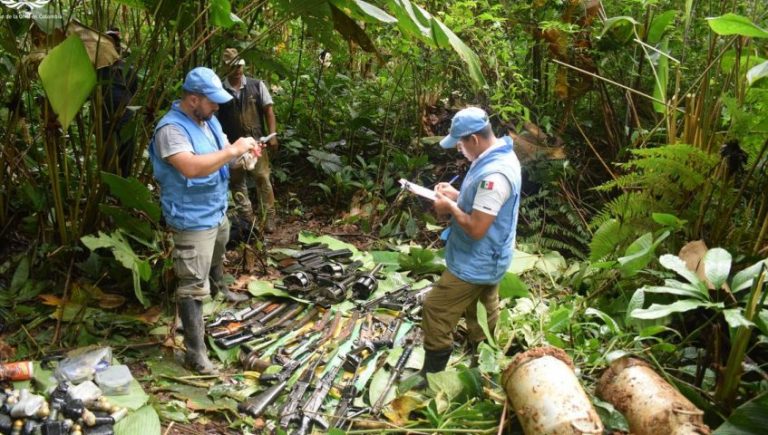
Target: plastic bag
83 367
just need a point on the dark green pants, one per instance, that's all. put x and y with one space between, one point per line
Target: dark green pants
448 300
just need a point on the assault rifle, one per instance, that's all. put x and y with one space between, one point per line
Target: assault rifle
365 347
289 411
348 394
394 376
259 328
226 324
387 296
251 358
409 303
256 405
229 316
309 340
310 410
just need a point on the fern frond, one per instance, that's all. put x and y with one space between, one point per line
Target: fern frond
628 181
660 179
611 234
549 222
627 207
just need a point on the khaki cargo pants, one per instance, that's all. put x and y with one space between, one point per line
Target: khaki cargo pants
195 254
448 300
239 186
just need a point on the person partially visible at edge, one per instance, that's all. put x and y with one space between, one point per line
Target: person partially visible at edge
245 115
190 156
120 86
479 240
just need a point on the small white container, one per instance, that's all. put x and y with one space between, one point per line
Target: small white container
115 381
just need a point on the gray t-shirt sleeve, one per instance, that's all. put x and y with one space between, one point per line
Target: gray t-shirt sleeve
266 98
170 140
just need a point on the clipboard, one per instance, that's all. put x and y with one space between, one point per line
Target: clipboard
417 189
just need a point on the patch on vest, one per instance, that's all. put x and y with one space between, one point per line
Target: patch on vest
487 185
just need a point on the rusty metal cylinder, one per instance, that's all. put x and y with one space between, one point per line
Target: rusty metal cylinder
546 395
650 404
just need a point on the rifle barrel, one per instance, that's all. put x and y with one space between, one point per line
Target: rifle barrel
394 376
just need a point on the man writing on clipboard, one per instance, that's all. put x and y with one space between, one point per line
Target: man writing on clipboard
479 240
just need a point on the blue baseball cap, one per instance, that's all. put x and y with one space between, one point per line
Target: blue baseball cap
465 122
202 80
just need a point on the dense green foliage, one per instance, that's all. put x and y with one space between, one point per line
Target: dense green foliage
662 108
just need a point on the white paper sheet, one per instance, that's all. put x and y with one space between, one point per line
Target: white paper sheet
417 189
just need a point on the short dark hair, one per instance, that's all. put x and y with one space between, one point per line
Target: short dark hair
185 93
485 132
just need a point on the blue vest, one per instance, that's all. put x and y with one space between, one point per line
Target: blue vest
191 203
485 261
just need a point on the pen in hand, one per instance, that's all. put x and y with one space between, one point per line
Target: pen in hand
444 187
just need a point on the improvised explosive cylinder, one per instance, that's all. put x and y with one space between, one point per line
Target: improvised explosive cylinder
650 404
546 395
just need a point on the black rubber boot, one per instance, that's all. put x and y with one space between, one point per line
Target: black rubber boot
196 357
434 361
216 278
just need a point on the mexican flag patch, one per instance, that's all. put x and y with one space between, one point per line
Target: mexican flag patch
487 185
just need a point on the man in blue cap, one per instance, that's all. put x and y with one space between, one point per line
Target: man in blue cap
190 156
479 240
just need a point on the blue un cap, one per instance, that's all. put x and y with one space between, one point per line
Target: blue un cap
202 80
465 122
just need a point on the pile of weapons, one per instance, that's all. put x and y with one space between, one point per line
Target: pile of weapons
317 348
67 411
324 350
322 276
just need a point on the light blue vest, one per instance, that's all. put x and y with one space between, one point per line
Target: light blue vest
485 261
191 203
